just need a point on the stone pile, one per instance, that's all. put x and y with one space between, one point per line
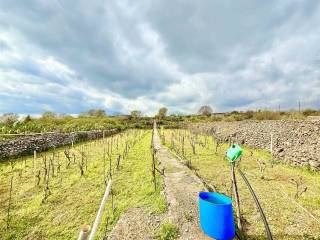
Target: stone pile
296 142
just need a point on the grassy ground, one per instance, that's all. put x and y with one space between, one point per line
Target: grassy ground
74 199
276 191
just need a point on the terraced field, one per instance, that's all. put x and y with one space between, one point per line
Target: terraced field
276 185
73 200
156 181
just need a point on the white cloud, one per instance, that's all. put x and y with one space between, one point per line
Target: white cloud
124 55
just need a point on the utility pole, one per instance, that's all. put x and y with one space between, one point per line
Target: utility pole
299 106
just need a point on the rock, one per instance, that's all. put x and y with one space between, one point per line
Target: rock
43 142
314 164
294 141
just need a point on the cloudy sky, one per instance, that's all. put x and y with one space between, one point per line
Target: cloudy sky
68 56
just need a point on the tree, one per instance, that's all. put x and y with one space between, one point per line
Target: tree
205 110
9 118
135 114
27 119
95 113
49 115
162 112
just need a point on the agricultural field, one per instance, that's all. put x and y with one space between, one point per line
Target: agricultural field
290 197
52 195
159 120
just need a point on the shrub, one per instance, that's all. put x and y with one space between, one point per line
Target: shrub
205 110
168 231
266 115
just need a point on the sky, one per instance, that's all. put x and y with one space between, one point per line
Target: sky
69 56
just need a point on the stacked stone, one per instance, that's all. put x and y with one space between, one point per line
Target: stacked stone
26 145
296 142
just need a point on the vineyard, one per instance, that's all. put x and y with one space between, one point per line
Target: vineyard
290 197
156 177
159 120
50 195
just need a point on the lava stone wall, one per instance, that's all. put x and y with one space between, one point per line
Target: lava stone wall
294 142
26 145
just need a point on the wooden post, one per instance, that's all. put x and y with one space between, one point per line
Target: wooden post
110 166
84 232
154 170
271 143
182 145
100 211
9 203
236 196
34 158
104 163
111 145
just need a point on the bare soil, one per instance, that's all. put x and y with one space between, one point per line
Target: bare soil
136 224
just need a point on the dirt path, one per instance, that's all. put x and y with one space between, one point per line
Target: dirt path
136 224
181 188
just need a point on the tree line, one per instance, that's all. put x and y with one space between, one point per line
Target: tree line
95 119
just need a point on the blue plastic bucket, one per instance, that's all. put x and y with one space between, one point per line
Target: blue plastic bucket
216 216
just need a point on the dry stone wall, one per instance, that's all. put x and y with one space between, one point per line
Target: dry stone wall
294 142
43 142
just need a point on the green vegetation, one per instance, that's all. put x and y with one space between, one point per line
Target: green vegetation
55 194
205 110
96 119
168 231
253 115
162 113
136 114
70 124
283 191
73 199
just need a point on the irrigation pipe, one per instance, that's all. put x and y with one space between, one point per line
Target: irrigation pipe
266 225
99 214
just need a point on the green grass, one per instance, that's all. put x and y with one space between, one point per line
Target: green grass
74 200
275 192
168 231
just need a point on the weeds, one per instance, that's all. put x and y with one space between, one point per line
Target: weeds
214 168
74 199
168 231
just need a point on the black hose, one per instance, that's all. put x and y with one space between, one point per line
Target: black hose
266 225
238 236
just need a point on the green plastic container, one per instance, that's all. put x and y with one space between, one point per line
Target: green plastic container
234 152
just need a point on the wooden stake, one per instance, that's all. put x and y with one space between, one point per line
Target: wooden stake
100 211
84 232
104 163
271 143
9 204
236 196
34 158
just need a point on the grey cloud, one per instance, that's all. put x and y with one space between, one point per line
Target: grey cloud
183 54
86 39
203 36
